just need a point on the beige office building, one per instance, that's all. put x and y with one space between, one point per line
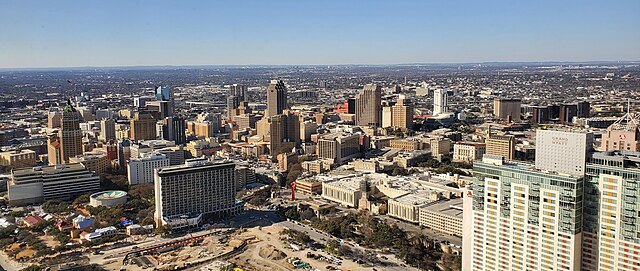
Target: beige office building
444 216
93 161
338 147
402 114
346 191
501 145
107 130
54 119
468 151
507 109
369 106
18 158
143 127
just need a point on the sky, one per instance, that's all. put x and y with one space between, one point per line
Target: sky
70 33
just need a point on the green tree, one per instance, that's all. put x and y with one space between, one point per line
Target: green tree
55 206
163 230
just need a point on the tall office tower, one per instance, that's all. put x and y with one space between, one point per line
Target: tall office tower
239 91
143 127
402 113
277 132
198 189
563 151
567 112
540 114
369 106
245 121
107 130
38 184
276 98
387 117
164 102
522 218
232 104
70 133
611 239
54 152
623 135
292 128
501 145
507 109
440 101
173 129
351 105
124 153
584 109
53 119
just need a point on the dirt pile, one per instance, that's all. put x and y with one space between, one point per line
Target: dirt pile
270 252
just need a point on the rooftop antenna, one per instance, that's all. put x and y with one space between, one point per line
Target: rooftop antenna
627 122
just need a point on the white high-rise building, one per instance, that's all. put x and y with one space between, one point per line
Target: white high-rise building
199 189
440 103
140 170
562 151
522 219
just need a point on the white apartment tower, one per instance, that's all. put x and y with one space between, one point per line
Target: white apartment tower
440 103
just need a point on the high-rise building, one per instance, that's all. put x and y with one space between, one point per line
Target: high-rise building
124 153
563 151
611 238
402 113
107 130
232 103
522 218
338 147
540 114
164 101
567 112
141 170
173 129
239 91
369 106
584 109
507 109
276 98
199 189
38 184
501 145
54 150
70 133
53 119
143 126
245 121
440 101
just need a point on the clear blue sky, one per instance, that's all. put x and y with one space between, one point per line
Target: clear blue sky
64 33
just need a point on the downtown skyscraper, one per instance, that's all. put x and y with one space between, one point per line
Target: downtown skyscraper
369 106
276 98
70 133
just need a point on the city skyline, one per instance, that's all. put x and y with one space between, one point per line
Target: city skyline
139 33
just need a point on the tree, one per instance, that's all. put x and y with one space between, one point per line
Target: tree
163 230
33 267
81 200
55 206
